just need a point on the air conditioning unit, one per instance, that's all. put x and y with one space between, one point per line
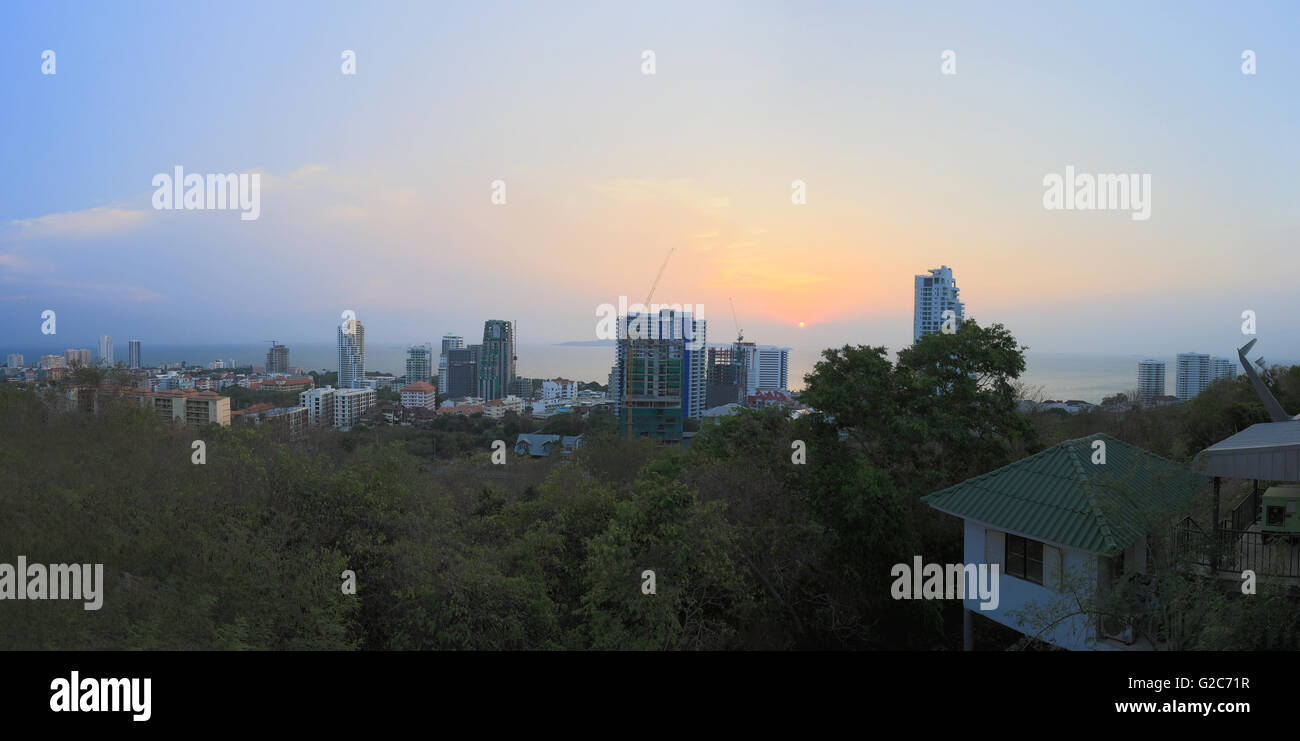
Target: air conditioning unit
1279 507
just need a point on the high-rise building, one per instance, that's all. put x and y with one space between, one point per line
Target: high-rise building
650 394
52 361
352 354
1151 380
419 364
1222 368
1193 375
77 357
449 342
15 360
106 351
496 360
462 372
1196 371
133 354
725 376
277 359
934 294
764 367
661 364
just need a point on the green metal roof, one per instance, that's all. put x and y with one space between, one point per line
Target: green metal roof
1059 495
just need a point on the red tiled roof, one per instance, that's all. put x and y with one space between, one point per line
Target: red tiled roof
418 387
466 409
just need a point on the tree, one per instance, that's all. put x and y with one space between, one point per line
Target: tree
701 594
944 412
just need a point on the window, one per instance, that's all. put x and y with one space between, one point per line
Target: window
1024 558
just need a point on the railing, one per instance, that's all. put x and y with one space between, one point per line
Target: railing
1236 550
1246 512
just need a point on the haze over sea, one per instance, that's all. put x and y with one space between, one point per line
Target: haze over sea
1061 375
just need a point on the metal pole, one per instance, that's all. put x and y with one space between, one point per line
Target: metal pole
1214 552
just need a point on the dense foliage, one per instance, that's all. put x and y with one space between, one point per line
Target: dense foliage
752 546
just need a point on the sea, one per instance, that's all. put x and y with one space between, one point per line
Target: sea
1053 375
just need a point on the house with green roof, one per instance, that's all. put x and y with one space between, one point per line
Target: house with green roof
1076 512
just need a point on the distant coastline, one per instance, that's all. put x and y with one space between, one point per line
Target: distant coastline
1062 376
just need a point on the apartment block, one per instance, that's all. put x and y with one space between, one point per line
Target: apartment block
350 404
559 388
419 363
419 394
1151 381
320 405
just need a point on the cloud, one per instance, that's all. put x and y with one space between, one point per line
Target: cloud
115 291
92 222
683 191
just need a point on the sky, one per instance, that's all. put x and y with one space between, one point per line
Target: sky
376 188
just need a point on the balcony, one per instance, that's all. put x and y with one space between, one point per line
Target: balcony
1230 551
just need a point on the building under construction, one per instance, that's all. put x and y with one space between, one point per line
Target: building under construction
651 375
728 370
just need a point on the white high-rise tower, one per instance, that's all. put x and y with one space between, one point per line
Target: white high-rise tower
106 351
1151 380
352 354
934 294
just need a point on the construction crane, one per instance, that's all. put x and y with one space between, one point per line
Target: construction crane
740 333
658 275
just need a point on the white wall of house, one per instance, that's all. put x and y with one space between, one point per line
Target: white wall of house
1016 594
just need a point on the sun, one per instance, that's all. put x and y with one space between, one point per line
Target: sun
801 325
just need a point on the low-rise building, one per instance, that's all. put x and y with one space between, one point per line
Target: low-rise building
419 394
378 383
559 388
543 408
1057 524
193 408
497 408
541 446
287 424
770 398
282 383
320 405
467 410
350 404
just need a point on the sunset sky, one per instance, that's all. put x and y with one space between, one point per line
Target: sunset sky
376 187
